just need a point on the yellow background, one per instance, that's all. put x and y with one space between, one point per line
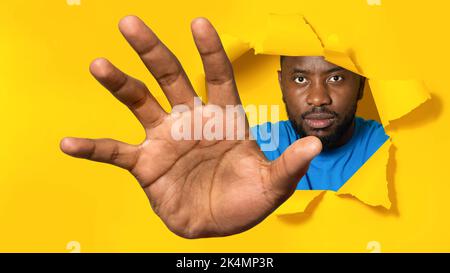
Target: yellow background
48 199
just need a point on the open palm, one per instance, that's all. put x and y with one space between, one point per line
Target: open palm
199 187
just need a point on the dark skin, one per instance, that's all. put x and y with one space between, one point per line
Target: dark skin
199 188
320 98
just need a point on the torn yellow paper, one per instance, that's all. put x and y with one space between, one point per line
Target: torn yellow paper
287 34
369 183
336 53
395 98
234 47
298 202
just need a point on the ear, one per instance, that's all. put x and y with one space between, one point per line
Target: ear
281 86
361 87
279 77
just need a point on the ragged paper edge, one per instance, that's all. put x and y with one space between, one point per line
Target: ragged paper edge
396 98
296 40
234 46
299 202
367 184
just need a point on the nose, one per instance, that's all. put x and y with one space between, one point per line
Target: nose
318 95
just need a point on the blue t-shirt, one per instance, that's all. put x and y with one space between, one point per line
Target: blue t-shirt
332 168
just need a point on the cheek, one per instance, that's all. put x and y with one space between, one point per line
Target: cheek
343 99
295 103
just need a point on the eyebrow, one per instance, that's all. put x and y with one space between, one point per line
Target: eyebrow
334 69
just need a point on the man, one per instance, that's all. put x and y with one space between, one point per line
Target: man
321 100
199 188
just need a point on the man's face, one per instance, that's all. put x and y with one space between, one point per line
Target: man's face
320 98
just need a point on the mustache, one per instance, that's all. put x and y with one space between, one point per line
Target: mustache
319 110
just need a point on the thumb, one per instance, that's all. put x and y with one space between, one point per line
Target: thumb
287 170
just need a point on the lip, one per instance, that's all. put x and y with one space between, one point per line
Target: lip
319 123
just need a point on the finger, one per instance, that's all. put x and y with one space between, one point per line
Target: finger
130 91
287 170
161 63
219 75
102 150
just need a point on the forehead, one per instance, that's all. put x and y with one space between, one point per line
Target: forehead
307 64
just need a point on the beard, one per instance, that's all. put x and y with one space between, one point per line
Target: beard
330 140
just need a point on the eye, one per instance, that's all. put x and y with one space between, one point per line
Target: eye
300 79
335 78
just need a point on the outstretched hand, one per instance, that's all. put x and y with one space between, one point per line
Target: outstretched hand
198 187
